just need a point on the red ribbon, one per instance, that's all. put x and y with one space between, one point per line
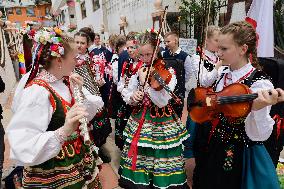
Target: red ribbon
214 122
279 124
133 150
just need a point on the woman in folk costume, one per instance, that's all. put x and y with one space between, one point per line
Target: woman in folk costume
206 72
152 153
209 64
231 154
129 69
116 100
93 79
44 133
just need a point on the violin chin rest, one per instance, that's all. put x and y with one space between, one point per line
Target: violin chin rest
191 96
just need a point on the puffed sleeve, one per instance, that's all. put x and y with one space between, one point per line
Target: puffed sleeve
206 78
259 124
30 143
92 103
121 84
126 93
162 97
188 68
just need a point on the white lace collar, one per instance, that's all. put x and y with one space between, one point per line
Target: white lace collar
212 56
47 77
239 73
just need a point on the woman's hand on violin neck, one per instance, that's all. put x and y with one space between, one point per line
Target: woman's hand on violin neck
265 98
138 96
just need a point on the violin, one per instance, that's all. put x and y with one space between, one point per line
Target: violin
234 101
160 77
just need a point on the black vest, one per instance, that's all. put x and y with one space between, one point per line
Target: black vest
177 63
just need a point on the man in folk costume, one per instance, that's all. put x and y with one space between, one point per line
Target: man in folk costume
180 61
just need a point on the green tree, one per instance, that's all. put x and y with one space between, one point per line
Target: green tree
279 23
194 14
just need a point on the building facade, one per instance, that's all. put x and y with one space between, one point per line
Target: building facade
23 11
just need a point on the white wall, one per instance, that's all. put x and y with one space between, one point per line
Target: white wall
94 19
137 15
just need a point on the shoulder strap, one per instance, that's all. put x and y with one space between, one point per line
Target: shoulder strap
52 96
218 81
250 78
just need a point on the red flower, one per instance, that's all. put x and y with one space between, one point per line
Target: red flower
152 30
100 123
54 47
32 33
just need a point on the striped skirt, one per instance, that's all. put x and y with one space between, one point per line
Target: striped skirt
159 161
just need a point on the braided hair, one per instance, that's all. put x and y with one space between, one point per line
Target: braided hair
244 33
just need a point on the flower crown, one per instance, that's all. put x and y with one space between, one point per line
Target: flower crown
152 30
50 35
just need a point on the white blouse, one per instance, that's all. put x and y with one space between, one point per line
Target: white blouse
121 83
258 124
114 63
206 78
30 143
159 98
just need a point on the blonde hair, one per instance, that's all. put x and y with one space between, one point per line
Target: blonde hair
211 30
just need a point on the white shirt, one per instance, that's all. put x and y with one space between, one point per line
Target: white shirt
30 143
258 124
206 78
159 98
121 83
114 63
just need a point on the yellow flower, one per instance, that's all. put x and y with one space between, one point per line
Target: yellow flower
58 31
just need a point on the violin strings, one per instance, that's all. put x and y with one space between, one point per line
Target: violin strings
235 99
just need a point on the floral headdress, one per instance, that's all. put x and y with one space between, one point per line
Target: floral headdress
42 37
50 36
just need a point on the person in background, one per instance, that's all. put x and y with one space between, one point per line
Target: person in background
180 62
209 66
123 56
2 132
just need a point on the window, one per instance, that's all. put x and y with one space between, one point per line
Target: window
83 10
30 11
96 5
47 10
18 11
10 11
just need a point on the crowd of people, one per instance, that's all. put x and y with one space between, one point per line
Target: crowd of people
143 87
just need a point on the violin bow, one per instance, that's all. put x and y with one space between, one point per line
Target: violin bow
156 47
203 38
